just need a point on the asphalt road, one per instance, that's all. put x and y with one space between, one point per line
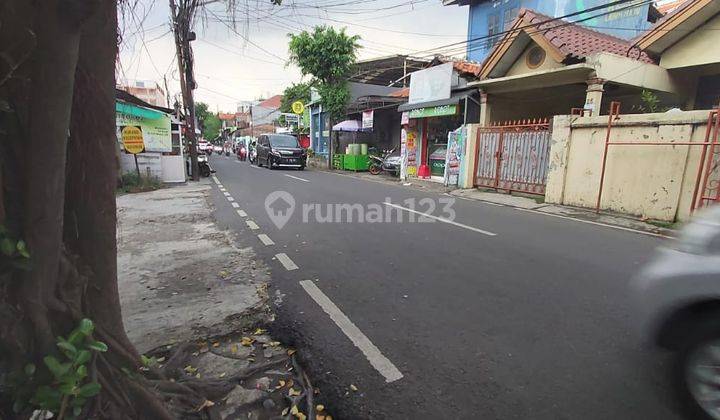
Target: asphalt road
504 314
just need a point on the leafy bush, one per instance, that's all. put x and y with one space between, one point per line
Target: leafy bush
132 183
62 385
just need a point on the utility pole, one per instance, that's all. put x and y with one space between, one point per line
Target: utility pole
167 92
181 21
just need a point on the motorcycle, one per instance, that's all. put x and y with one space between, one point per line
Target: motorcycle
204 165
389 162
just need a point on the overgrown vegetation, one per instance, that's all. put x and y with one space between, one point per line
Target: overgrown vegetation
131 182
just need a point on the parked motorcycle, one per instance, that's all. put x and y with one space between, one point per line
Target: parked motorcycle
389 162
204 166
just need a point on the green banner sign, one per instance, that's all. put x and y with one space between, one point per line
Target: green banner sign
436 111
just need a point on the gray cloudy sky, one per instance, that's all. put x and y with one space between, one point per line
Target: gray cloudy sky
232 67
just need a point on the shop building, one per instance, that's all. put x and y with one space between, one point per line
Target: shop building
440 103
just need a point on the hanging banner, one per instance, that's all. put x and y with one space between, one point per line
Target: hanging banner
404 118
367 119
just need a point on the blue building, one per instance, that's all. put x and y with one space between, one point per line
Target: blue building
492 17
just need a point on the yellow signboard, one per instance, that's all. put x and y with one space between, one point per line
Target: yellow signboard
132 138
298 107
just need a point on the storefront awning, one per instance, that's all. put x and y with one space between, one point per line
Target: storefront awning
126 108
454 99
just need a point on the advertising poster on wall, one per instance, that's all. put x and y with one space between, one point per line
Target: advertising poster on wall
155 132
411 153
453 160
367 119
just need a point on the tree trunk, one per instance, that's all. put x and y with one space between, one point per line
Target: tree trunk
51 92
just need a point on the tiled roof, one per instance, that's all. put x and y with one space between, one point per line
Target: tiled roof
577 41
226 117
272 102
402 93
666 8
466 67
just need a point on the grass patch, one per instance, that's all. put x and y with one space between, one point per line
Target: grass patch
131 183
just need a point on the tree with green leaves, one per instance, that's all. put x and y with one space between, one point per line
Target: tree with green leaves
293 93
209 121
328 55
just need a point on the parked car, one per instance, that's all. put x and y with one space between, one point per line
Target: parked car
678 296
280 150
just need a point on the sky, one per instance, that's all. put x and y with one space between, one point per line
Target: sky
247 59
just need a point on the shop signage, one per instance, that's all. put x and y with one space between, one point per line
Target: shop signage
405 118
298 107
367 119
156 134
436 111
433 84
132 139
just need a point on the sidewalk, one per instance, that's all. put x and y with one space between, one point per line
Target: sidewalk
196 306
178 275
522 202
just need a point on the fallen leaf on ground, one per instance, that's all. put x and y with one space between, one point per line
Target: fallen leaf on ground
301 416
246 341
205 404
294 410
281 384
234 349
216 344
293 392
259 331
291 352
190 369
274 343
285 411
353 387
320 407
222 375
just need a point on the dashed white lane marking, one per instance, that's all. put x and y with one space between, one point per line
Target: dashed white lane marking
222 188
252 225
360 340
236 205
286 262
296 177
590 222
254 166
230 199
265 239
241 213
217 181
226 194
442 219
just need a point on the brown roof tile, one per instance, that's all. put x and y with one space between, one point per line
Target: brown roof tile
577 41
273 102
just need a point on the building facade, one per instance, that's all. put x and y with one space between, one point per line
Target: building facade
488 19
147 90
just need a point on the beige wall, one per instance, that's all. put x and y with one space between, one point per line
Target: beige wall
698 48
521 67
656 182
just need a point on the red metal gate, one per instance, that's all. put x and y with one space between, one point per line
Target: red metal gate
710 192
514 156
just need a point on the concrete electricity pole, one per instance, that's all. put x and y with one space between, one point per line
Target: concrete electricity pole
182 16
